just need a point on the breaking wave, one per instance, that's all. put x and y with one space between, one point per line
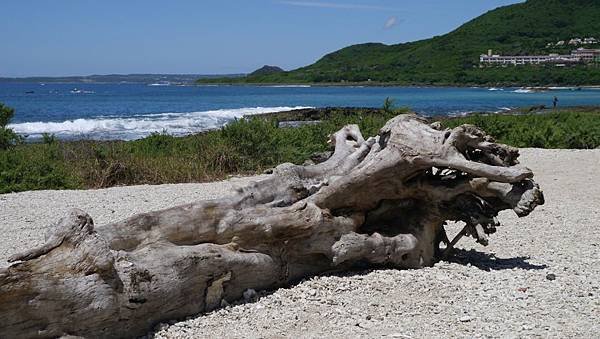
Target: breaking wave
140 125
523 90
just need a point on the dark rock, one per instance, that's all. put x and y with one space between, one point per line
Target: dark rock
551 276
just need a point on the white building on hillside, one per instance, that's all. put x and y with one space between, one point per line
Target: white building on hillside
587 55
527 59
578 55
575 41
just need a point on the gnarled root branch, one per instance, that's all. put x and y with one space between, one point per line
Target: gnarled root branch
383 200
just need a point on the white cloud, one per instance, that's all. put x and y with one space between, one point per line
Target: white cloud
320 4
391 22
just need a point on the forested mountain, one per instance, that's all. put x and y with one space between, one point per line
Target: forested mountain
453 58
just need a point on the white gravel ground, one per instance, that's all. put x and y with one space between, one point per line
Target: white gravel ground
503 290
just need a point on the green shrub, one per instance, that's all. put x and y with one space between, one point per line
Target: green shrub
257 141
388 105
7 136
34 167
552 130
49 139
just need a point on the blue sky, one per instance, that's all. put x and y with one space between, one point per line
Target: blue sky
79 37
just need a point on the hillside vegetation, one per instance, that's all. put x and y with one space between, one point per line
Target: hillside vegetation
453 58
266 70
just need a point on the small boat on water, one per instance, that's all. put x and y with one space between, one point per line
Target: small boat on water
81 91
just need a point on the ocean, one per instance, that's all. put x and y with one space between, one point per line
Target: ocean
130 111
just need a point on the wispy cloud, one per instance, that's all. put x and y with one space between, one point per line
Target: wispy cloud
336 5
391 22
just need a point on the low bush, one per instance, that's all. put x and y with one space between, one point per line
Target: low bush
8 137
34 167
548 130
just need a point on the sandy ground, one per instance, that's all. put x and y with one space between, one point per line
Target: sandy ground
539 277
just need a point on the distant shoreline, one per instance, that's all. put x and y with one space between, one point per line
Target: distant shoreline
189 81
385 84
118 78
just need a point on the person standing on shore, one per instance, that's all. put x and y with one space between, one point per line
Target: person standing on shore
555 102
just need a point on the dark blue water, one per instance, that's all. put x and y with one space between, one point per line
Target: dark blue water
128 111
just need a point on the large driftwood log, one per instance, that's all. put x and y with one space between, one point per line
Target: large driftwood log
384 200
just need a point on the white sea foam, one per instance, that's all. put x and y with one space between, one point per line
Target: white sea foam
456 114
562 88
523 90
141 125
503 109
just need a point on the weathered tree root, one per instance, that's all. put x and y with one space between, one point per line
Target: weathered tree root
384 200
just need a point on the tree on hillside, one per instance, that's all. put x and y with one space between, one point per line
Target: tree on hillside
7 136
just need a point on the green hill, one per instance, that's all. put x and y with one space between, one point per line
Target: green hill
453 58
266 70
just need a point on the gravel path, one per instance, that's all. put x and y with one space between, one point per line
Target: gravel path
540 276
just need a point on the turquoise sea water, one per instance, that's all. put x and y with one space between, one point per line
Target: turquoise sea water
130 111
